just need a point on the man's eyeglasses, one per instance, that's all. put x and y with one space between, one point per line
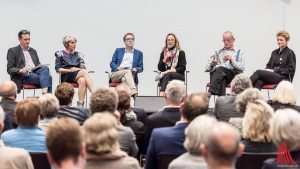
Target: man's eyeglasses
227 39
129 39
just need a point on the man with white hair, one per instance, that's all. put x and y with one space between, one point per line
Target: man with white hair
13 158
221 146
170 114
8 92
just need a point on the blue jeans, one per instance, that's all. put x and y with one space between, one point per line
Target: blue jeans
40 77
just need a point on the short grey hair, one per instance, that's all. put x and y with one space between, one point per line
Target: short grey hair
175 90
195 133
240 83
285 126
2 115
285 93
104 99
8 88
49 104
67 39
246 96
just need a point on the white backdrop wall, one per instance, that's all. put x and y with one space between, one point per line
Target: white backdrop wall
99 26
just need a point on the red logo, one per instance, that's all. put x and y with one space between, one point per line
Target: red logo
284 157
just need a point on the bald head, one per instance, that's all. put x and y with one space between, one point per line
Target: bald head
8 89
222 144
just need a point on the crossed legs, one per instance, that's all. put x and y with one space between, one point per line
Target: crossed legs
84 80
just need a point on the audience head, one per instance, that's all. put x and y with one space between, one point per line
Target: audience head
195 133
228 39
171 42
240 83
175 92
285 93
24 38
65 142
28 112
49 104
8 89
103 99
221 145
285 126
122 87
64 93
2 118
69 41
123 105
246 96
194 105
256 124
100 134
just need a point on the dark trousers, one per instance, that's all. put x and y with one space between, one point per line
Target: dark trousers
219 79
262 77
40 76
168 77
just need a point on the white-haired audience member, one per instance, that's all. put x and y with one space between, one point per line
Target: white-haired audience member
256 127
106 100
12 158
170 114
221 146
285 126
65 143
225 107
27 135
194 136
284 96
8 92
50 107
102 146
241 102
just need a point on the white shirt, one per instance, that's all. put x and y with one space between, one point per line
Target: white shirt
29 65
127 59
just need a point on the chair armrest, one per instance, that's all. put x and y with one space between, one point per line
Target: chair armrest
108 74
156 71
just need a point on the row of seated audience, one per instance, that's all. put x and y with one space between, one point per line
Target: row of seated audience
113 132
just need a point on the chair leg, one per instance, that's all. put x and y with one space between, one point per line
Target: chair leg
23 93
86 98
33 92
268 94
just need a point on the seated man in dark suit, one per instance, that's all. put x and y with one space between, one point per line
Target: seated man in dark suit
170 114
169 140
225 107
23 65
64 93
8 92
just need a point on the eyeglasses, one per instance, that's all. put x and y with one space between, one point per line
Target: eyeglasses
129 39
227 39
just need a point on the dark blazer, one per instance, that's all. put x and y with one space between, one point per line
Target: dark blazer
165 141
276 106
164 118
288 65
181 65
225 108
9 106
259 147
137 62
272 164
16 61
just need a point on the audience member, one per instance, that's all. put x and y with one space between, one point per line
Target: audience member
64 93
50 107
23 65
27 135
8 92
221 146
126 63
70 64
284 96
12 158
169 140
256 128
170 114
224 64
103 151
284 129
225 108
194 137
172 63
105 99
65 143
